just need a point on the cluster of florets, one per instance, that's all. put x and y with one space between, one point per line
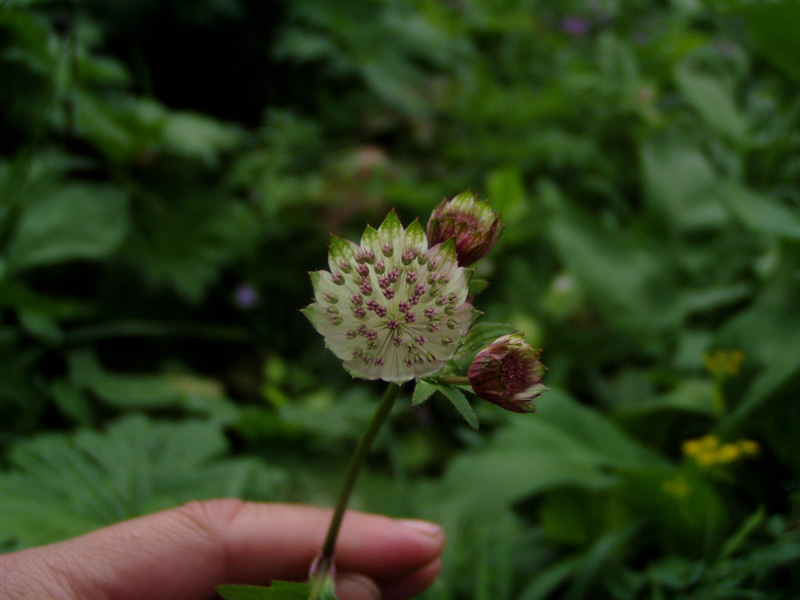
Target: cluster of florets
394 307
391 307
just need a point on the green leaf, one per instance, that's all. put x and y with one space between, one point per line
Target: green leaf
214 229
121 390
476 286
675 571
678 179
60 486
766 331
24 299
461 403
595 558
199 137
71 402
628 282
713 102
480 336
422 391
741 535
566 444
73 221
760 213
548 580
506 192
691 514
120 127
41 326
773 27
277 590
689 396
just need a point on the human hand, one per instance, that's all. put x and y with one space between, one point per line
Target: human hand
183 553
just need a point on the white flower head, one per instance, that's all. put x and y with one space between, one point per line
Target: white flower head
391 308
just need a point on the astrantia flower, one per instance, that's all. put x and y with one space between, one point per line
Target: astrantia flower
474 226
391 308
508 373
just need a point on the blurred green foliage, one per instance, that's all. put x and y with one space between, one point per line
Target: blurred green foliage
169 172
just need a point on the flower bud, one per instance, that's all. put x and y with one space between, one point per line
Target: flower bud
474 225
508 373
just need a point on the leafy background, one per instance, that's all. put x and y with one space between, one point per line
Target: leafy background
169 172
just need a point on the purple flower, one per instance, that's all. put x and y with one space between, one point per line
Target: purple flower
246 296
575 26
474 226
508 373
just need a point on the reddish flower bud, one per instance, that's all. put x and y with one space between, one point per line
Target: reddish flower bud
508 373
474 225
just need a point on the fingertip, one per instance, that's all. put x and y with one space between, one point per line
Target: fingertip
385 548
431 535
350 586
412 584
427 528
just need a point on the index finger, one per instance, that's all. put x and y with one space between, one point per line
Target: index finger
186 552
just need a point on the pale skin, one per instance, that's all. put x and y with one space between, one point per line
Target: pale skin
183 553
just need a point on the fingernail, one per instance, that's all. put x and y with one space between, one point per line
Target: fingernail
424 527
350 586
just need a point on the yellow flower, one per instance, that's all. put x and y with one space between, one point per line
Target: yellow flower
748 447
698 446
722 363
728 453
692 447
708 451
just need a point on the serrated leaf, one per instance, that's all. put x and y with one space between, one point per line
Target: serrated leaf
422 391
461 403
214 229
61 486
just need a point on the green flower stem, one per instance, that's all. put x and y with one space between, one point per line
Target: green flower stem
453 380
718 396
324 562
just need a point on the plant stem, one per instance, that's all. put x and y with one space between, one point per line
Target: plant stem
718 397
324 562
453 379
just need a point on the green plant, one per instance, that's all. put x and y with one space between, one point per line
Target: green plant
643 155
